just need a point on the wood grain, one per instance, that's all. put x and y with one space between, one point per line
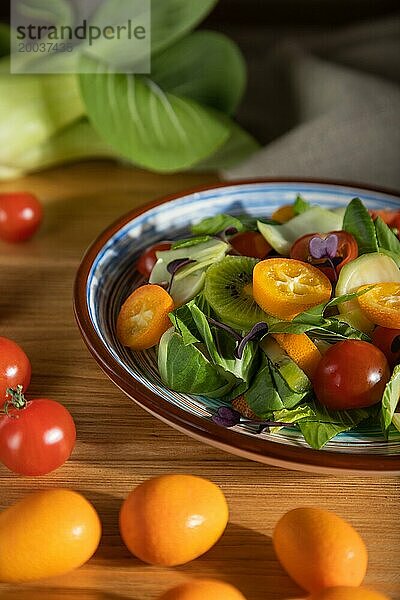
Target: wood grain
120 446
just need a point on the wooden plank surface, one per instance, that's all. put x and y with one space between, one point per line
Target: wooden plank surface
120 446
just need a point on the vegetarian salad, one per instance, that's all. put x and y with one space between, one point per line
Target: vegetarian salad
292 320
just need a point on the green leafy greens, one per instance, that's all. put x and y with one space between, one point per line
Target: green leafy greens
177 118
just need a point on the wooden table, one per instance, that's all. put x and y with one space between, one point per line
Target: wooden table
120 446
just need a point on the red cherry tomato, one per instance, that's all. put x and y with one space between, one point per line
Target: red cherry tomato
347 251
390 217
351 374
20 216
15 368
250 243
388 340
36 438
148 259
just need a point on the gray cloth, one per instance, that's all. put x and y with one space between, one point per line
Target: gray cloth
335 104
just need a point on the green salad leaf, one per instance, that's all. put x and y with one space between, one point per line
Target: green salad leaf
396 421
216 224
390 399
292 415
262 396
186 369
221 347
359 223
386 237
188 242
300 205
328 423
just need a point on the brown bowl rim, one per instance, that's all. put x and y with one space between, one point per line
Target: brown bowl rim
259 449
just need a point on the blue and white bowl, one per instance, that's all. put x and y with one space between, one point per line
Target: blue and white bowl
107 276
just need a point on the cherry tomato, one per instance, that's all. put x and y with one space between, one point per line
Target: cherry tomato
20 216
388 340
15 368
36 438
250 243
347 251
390 217
351 374
148 259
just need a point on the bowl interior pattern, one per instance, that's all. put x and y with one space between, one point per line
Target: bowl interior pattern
112 277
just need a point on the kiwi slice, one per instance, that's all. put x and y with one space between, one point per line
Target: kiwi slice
228 289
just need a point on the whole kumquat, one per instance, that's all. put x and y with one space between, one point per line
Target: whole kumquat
318 549
173 519
48 533
206 589
347 593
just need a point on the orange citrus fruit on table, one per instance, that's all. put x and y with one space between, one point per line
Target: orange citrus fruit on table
144 317
381 304
319 549
173 519
47 533
347 593
206 589
285 287
300 349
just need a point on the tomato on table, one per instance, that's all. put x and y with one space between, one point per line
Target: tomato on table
250 243
20 216
144 317
381 304
148 259
347 250
388 340
36 436
15 368
351 374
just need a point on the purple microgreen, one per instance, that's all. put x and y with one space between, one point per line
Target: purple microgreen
332 243
256 333
227 417
174 266
226 328
324 247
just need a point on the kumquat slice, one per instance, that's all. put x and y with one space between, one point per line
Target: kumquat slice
381 304
285 287
144 317
300 349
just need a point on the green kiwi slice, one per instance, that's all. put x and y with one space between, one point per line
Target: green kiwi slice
228 290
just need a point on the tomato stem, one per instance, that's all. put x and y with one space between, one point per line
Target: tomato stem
15 398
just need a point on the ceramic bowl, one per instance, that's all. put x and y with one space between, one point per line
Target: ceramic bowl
107 276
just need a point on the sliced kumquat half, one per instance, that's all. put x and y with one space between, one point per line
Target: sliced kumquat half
300 349
283 214
381 304
285 287
143 318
